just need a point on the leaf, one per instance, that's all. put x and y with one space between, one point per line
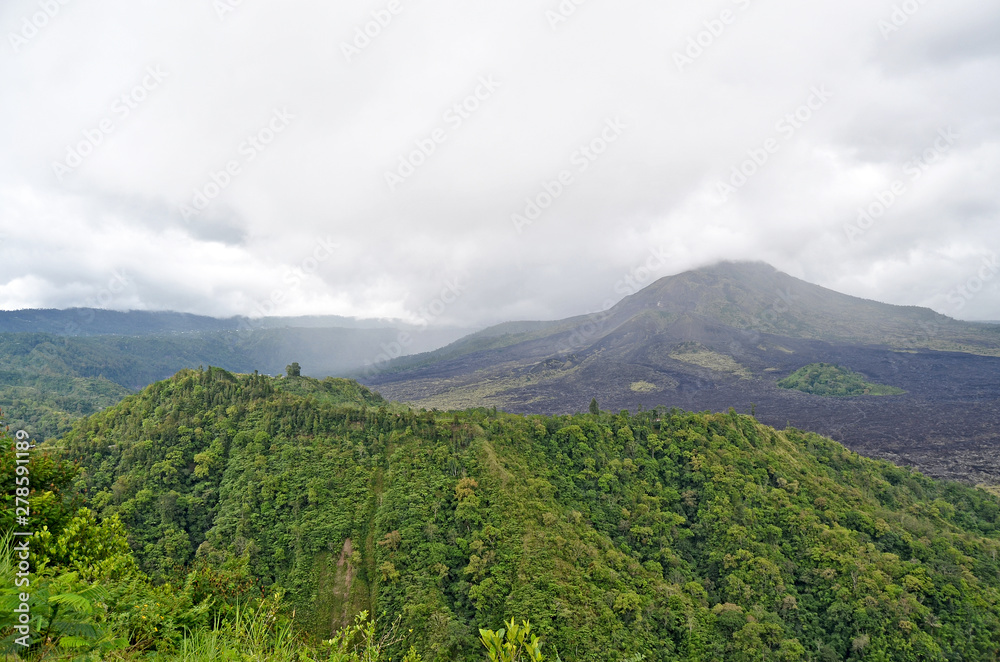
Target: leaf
73 642
74 600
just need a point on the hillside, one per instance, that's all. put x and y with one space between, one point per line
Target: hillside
675 535
713 338
724 336
752 298
95 321
98 322
48 380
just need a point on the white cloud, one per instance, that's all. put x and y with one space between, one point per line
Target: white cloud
323 175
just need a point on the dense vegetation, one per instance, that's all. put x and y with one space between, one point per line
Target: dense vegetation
48 381
50 403
674 535
834 381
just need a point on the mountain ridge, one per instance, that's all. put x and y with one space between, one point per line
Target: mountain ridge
766 305
100 321
671 534
722 336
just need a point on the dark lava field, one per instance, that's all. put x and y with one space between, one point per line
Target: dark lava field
946 425
722 337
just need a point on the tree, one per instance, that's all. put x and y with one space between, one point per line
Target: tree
63 612
361 643
94 551
594 409
293 370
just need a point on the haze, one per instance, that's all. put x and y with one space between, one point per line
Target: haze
469 163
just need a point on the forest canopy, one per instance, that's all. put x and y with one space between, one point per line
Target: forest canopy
831 380
667 534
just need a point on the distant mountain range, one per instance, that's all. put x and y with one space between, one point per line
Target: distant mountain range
659 534
58 365
708 339
722 337
654 536
96 322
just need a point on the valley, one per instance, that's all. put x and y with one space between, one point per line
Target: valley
666 534
698 510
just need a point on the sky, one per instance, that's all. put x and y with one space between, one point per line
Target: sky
466 163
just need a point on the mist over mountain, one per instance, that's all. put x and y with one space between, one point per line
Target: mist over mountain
724 336
75 362
712 338
660 533
389 331
96 321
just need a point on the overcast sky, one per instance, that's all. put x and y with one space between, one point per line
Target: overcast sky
470 162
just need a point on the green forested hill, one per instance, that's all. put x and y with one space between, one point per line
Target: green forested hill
48 381
677 535
834 381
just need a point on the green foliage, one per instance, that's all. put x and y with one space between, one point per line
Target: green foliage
47 404
834 381
155 617
674 535
332 390
49 481
252 633
594 409
93 550
64 614
293 370
360 642
47 381
512 644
